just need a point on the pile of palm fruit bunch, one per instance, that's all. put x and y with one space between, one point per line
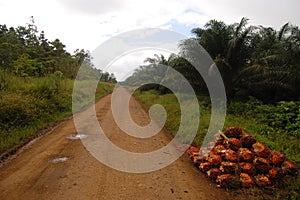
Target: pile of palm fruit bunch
237 160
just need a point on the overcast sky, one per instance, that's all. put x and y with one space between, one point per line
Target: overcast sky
87 23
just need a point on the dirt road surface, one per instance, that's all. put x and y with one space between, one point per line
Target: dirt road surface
31 176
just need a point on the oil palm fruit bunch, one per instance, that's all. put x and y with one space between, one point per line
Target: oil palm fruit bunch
262 180
228 181
261 165
236 160
214 173
289 167
246 180
275 173
205 166
247 168
234 132
261 150
229 168
277 158
245 155
248 140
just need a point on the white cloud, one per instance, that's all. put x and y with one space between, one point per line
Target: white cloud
272 13
124 66
192 18
123 53
92 7
87 23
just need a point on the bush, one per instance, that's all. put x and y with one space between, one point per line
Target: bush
28 104
284 116
245 109
15 111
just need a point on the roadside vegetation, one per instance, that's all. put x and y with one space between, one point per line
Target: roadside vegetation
260 67
36 82
275 125
29 104
254 61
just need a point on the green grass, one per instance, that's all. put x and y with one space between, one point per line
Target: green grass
250 120
276 139
84 94
30 104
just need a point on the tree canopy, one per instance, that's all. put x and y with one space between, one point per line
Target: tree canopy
253 61
24 51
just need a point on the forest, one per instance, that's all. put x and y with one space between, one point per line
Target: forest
254 61
26 52
260 68
36 82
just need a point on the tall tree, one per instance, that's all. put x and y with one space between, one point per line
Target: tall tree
274 70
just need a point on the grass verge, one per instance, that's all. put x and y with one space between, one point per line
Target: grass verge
250 120
31 104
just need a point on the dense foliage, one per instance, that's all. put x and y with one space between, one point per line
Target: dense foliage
254 61
36 82
275 125
257 61
282 116
29 104
24 51
260 68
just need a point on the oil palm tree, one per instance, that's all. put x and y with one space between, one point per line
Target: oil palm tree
273 73
228 47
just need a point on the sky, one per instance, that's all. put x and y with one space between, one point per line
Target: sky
86 24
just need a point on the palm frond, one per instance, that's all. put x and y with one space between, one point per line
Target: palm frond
283 30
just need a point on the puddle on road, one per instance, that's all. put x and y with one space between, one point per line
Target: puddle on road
76 136
58 160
